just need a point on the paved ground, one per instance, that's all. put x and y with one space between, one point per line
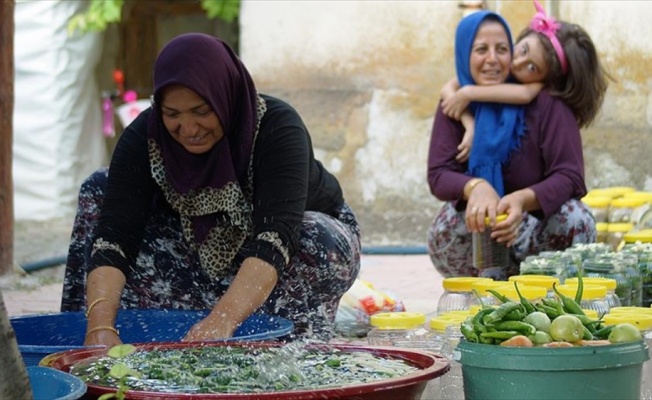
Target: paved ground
409 278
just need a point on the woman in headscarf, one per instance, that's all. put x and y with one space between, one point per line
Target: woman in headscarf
525 162
213 200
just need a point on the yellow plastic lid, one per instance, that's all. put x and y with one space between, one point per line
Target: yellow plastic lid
455 313
643 236
601 226
602 192
440 323
543 281
627 310
597 201
397 320
529 292
606 282
499 218
461 283
647 196
627 202
589 292
590 313
482 286
641 321
621 190
620 227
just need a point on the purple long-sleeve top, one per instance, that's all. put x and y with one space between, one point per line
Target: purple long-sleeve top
549 160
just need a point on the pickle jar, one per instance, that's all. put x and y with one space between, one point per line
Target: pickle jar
622 209
616 234
603 266
457 293
490 258
640 244
594 297
543 281
601 232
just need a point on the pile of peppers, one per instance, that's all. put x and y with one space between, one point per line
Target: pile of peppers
493 325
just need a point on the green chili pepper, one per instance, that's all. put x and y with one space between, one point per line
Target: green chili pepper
501 335
588 335
476 321
469 333
529 308
551 312
521 327
603 332
515 315
588 322
570 305
500 297
580 287
498 313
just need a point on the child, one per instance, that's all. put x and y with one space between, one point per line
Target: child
559 56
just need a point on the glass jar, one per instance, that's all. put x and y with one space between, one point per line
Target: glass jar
457 293
645 222
486 298
438 327
640 244
610 284
490 258
543 281
588 250
621 209
452 382
537 265
639 212
599 206
594 297
532 293
602 266
616 234
390 327
644 324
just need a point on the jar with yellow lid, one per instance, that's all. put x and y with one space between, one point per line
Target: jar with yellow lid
608 266
594 297
601 232
644 323
532 293
588 250
616 234
438 326
640 244
610 284
537 265
490 258
482 287
631 310
621 209
599 206
457 293
639 212
591 313
543 281
390 327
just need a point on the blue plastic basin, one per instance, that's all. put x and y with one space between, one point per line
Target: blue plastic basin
41 334
52 384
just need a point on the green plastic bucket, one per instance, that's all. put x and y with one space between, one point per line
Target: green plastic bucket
590 372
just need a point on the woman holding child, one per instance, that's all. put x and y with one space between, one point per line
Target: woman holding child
526 161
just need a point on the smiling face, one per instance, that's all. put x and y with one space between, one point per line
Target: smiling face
529 62
190 120
490 54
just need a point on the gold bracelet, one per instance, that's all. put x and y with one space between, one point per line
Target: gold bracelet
470 185
103 328
98 300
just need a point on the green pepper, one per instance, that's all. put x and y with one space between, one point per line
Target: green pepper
603 332
529 308
503 299
515 315
551 312
521 327
469 333
587 334
570 305
501 335
498 313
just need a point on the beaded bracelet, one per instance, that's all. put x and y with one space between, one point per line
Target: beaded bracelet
103 328
98 300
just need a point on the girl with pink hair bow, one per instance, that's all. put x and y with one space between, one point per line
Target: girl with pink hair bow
556 55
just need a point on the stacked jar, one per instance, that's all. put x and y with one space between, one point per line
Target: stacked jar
622 209
543 281
603 266
438 327
537 265
452 382
616 232
457 294
532 293
486 298
610 284
640 244
644 323
638 212
594 297
599 206
601 231
388 328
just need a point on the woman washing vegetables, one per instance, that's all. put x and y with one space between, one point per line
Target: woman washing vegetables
213 200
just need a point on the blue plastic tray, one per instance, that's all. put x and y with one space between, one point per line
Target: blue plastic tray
41 334
52 384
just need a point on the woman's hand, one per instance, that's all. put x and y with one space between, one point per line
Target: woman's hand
513 205
481 203
210 328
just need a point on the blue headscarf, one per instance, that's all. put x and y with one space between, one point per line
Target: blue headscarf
498 127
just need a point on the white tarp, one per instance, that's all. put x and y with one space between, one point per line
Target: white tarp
57 138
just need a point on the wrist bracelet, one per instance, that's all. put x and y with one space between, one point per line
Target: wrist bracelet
470 185
98 300
103 328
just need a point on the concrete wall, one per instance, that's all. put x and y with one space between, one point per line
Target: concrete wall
366 75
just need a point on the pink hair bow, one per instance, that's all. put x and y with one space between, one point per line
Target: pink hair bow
548 26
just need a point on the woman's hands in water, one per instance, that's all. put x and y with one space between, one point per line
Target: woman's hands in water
211 328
